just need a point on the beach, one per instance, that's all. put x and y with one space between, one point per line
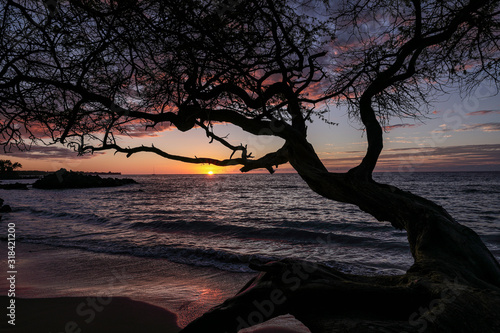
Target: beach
115 314
98 292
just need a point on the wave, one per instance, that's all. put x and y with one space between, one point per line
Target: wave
290 235
55 215
480 191
224 260
493 238
200 257
352 226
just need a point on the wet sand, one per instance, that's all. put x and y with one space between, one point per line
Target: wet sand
45 272
73 291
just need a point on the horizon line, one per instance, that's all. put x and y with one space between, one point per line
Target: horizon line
254 173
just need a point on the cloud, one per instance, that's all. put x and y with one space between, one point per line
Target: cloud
138 130
483 112
449 150
47 152
389 128
451 158
486 127
134 128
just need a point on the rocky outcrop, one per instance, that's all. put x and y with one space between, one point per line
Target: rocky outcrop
16 186
4 208
64 179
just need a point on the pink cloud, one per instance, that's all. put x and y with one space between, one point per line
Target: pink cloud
389 128
486 127
483 112
138 130
451 158
47 152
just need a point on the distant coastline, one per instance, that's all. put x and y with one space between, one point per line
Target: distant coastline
100 173
34 174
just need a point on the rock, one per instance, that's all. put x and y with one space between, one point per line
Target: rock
68 179
9 175
16 186
4 209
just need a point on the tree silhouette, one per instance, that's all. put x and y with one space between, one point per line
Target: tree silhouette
6 166
83 72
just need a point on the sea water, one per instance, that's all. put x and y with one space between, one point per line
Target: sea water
226 221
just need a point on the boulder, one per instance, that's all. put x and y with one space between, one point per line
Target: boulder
4 208
63 179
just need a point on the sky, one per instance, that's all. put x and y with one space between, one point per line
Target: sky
460 133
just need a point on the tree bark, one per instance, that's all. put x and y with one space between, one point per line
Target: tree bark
326 301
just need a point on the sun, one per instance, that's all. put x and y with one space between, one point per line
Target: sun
210 172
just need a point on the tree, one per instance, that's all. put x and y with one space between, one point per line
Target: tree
6 166
83 72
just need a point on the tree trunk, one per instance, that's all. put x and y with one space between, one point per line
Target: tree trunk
453 285
327 301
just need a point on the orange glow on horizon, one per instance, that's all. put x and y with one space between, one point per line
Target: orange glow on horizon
210 169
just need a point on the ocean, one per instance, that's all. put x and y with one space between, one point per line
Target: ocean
225 221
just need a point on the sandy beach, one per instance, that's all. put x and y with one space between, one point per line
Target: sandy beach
67 285
109 315
89 314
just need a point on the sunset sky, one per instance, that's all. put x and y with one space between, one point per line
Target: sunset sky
461 133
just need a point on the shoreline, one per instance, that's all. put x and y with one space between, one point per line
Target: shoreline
48 272
73 298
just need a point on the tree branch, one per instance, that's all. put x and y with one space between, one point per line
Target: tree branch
212 135
153 149
266 162
411 49
275 159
